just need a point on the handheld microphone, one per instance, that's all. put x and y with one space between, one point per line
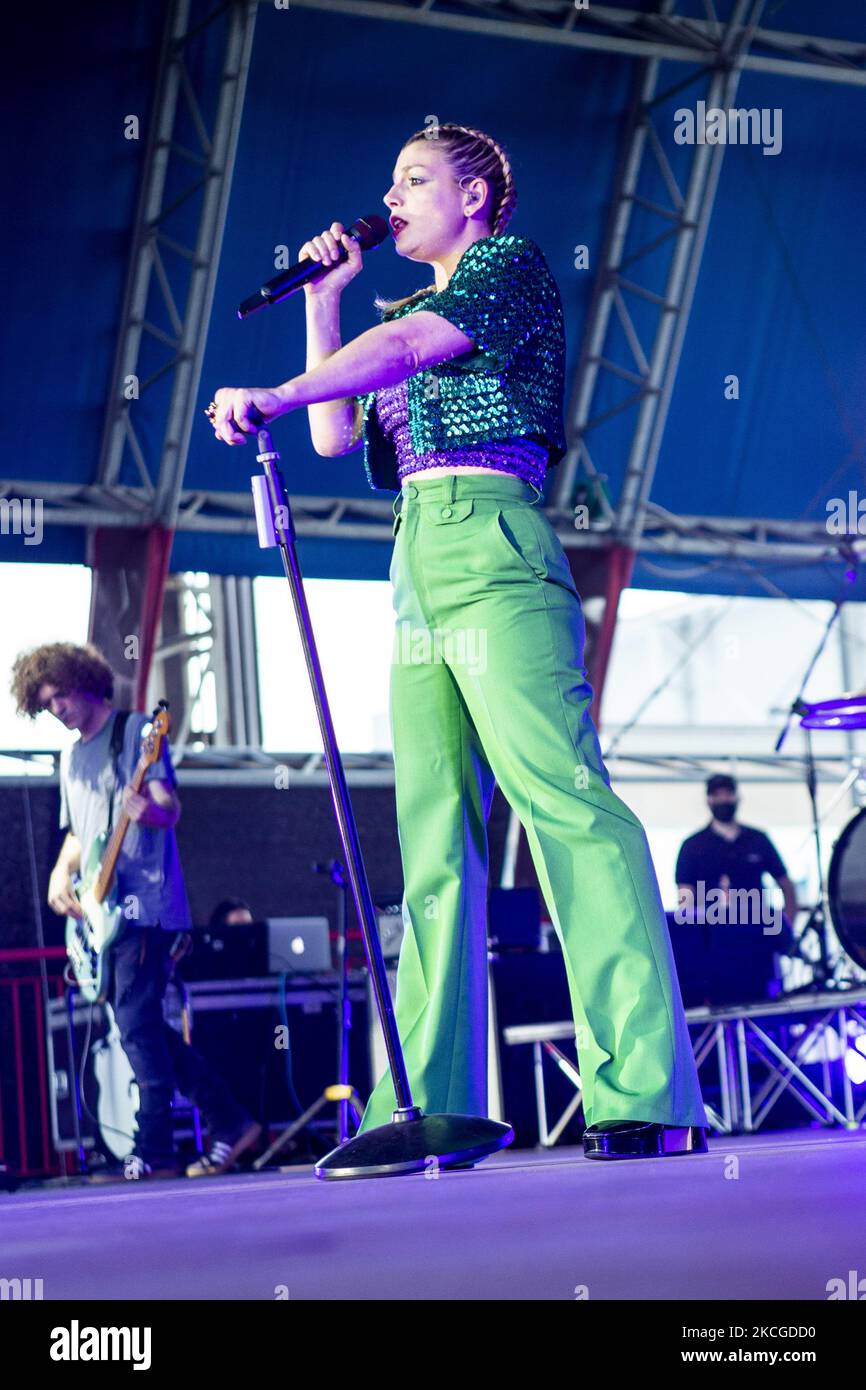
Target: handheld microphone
368 231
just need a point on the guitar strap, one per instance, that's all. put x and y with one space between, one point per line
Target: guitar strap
120 720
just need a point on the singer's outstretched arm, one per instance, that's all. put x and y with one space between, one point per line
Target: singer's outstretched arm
383 356
335 426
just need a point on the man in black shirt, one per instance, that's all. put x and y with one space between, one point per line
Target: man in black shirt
727 858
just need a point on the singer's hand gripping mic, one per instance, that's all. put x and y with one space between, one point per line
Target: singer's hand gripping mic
368 231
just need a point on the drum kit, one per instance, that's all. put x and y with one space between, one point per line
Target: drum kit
846 881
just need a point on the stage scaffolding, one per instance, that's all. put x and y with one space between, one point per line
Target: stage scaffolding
251 766
713 51
171 279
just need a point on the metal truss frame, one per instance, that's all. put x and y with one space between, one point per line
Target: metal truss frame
729 1036
239 764
717 49
334 517
618 29
212 623
681 219
170 280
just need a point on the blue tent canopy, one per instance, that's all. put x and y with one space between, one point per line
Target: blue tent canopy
330 100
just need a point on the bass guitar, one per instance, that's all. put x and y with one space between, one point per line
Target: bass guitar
88 937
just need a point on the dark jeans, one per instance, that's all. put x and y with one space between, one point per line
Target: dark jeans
158 1055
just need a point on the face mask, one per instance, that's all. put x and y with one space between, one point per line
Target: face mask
724 811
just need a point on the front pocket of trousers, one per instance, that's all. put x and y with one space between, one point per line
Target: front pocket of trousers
530 538
514 529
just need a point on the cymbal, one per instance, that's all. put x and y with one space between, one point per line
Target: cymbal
840 712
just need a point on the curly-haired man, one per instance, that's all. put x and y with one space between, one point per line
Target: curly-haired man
76 684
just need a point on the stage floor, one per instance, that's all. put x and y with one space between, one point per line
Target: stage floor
770 1216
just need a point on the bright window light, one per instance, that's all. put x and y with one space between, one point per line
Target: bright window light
40 603
353 622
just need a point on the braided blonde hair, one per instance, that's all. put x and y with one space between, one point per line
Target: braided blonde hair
472 155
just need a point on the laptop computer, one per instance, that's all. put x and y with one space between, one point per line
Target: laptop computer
299 945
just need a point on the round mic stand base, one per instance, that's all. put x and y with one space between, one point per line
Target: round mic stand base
415 1143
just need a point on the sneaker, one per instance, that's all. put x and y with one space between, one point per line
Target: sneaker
223 1154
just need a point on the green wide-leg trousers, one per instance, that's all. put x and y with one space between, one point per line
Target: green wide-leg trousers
488 686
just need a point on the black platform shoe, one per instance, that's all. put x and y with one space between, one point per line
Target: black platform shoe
642 1139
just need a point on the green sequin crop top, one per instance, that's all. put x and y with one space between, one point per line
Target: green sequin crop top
499 405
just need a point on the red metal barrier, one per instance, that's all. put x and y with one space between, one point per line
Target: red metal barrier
28 1066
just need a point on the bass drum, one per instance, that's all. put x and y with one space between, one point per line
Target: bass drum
847 888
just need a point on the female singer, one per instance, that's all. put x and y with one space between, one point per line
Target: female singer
457 396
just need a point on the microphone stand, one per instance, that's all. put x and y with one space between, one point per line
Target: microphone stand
340 1092
337 874
412 1139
